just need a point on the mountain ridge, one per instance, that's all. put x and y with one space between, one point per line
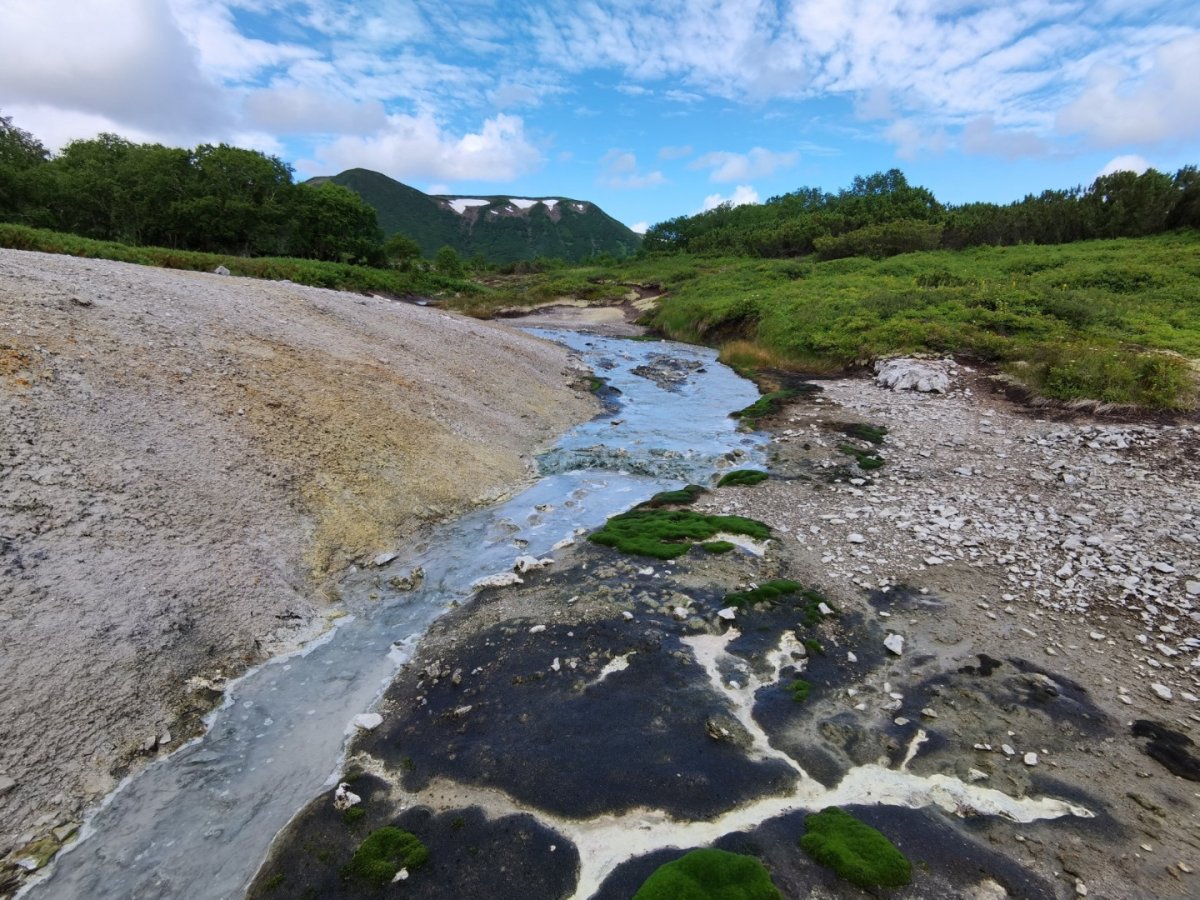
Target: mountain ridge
501 228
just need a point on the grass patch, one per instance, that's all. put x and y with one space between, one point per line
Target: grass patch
354 815
710 875
336 276
800 690
814 647
666 534
766 405
855 850
685 496
384 853
742 478
717 547
872 434
868 460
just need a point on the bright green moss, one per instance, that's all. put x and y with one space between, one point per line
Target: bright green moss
685 496
717 546
764 406
800 690
867 460
853 849
766 592
873 434
742 478
710 875
665 534
385 852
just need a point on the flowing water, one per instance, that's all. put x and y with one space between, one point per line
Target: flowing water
198 823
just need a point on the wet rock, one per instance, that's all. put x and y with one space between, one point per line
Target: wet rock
368 721
409 582
525 564
499 580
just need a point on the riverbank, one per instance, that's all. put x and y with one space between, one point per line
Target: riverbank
1007 597
189 461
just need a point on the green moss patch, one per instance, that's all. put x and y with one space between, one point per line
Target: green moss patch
385 852
742 478
855 850
353 815
800 690
867 460
666 534
685 496
766 405
872 434
717 546
767 592
710 875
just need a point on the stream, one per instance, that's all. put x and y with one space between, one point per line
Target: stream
198 823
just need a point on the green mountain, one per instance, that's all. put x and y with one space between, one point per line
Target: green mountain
500 228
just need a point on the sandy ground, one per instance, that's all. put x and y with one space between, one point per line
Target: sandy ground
186 463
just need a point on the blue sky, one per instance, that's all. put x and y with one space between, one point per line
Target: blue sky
650 109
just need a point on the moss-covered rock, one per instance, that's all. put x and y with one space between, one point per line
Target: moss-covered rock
385 852
666 534
742 478
685 496
710 875
868 460
767 592
717 546
764 406
855 850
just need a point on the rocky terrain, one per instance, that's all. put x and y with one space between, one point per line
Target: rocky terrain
996 645
187 462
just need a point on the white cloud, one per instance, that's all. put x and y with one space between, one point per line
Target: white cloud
123 61
742 194
639 227
912 138
1161 103
668 153
417 148
291 110
619 170
758 163
981 136
1129 163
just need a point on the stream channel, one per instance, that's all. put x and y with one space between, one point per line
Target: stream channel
198 823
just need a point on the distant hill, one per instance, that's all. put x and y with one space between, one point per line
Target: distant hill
500 228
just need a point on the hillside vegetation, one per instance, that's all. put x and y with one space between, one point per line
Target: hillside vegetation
493 229
1114 321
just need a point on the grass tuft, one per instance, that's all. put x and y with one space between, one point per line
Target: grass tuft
800 690
855 850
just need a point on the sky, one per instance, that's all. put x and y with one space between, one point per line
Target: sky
651 110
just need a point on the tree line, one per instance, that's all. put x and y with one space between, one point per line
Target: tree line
214 198
882 215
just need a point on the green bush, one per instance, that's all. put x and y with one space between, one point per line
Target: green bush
855 850
710 875
385 852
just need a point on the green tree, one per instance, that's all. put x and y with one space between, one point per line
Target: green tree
448 263
401 251
331 222
239 201
20 153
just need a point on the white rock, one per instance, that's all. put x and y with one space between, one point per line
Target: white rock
1031 759
1096 636
933 560
563 544
537 629
824 609
1165 568
729 613
368 721
402 875
1008 749
1081 889
383 559
680 612
911 374
627 616
525 564
974 775
343 798
1193 588
220 270
1163 692
856 538
556 665
894 643
500 579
